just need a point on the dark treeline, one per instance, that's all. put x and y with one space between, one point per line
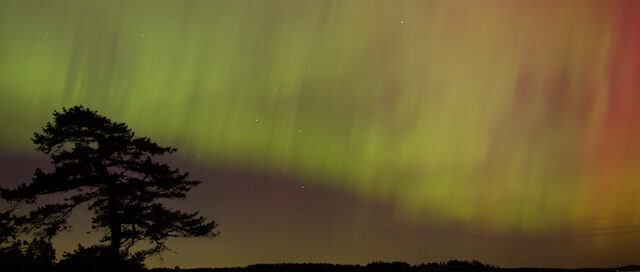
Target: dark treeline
453 265
371 267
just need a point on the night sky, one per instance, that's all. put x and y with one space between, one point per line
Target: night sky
354 131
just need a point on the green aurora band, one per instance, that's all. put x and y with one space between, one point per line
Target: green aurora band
509 116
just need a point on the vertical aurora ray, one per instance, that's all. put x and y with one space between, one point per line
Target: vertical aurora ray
504 116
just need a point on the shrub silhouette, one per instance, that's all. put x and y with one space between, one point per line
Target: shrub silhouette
35 256
97 259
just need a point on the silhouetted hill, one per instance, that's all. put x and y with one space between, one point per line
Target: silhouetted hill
454 265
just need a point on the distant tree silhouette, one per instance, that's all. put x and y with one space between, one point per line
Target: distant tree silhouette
103 164
371 267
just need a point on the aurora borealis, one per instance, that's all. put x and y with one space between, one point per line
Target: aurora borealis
355 131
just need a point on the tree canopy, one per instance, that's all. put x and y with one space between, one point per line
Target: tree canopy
104 164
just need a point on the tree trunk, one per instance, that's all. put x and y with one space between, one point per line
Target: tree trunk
115 225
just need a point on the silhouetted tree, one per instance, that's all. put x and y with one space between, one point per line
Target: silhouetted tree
102 163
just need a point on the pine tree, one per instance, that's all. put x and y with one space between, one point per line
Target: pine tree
103 164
